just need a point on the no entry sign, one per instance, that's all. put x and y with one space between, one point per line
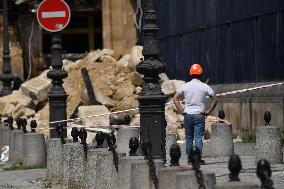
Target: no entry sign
53 15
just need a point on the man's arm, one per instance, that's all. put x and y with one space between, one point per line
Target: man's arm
212 106
176 100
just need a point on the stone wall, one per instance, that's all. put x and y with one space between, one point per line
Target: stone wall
245 110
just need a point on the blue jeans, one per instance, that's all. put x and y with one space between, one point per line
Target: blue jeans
194 129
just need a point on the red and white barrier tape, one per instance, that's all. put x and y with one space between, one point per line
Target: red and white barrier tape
134 109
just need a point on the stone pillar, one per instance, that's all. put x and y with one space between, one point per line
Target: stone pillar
123 137
74 165
124 169
4 134
187 180
140 175
15 148
101 171
221 140
170 140
236 185
268 144
54 159
34 151
167 176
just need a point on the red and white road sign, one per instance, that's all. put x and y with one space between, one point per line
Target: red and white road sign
53 15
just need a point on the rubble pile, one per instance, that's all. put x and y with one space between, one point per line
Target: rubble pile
116 85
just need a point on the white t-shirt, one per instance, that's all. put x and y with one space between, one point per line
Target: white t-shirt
194 94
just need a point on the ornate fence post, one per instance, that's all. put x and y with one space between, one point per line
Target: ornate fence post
57 95
6 76
152 99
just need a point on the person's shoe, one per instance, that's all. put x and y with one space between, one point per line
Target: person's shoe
202 162
189 162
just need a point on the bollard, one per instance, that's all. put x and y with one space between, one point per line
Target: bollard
171 139
123 136
140 174
101 171
124 170
235 166
16 146
54 159
34 150
74 165
221 140
268 142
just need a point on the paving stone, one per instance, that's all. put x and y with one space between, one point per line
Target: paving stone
237 185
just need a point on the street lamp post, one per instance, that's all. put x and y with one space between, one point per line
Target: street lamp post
6 76
57 95
152 99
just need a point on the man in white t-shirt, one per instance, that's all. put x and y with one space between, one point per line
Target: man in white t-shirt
194 94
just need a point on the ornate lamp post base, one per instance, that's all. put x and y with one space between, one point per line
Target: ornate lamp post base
152 99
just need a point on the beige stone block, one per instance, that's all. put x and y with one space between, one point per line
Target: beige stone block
102 120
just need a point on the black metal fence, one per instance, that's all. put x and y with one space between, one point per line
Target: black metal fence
235 40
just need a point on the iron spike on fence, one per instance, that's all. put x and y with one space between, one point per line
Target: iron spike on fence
267 118
235 166
60 131
175 154
263 171
75 134
19 123
24 125
195 157
10 121
33 126
100 138
221 114
133 146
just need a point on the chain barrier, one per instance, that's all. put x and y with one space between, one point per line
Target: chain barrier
147 150
83 137
199 176
111 141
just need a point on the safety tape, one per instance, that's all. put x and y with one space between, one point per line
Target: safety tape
134 109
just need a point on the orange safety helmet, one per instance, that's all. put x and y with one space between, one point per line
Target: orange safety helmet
195 69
